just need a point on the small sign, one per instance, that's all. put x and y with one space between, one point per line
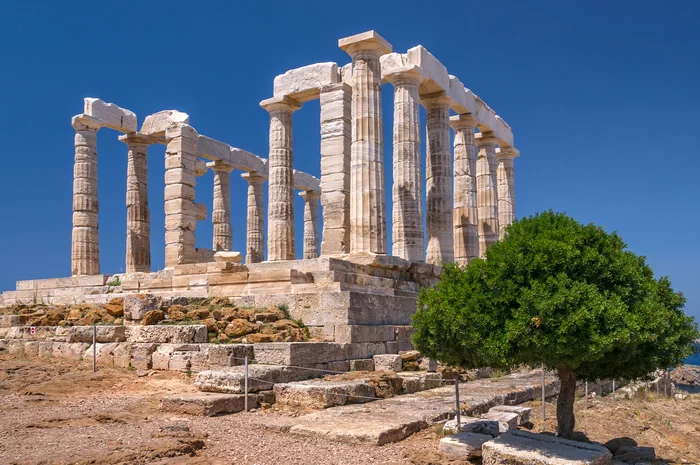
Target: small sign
32 330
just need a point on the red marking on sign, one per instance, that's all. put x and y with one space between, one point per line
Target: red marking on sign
32 330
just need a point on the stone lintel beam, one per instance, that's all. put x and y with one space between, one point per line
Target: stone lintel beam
465 120
83 122
158 123
305 83
110 115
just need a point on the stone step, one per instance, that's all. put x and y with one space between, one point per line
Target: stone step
464 446
231 380
523 413
207 404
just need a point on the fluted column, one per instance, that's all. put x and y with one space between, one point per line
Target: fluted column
506 188
138 214
255 231
465 217
486 190
310 223
367 203
407 196
221 212
280 211
438 182
85 248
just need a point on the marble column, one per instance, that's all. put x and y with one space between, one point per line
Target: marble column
85 248
367 202
486 190
505 174
280 186
438 182
336 132
181 211
255 231
465 216
221 212
310 223
138 214
407 192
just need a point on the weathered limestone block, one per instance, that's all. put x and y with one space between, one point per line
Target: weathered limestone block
85 250
303 84
206 404
407 216
137 305
466 227
438 182
110 115
522 447
523 413
7 321
310 223
221 214
298 353
366 364
104 334
228 355
428 364
387 362
174 334
157 123
367 203
320 394
506 188
260 378
363 333
487 191
509 418
464 445
104 353
336 140
255 231
141 356
72 351
280 225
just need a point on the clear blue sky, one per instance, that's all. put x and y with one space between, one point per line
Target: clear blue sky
602 97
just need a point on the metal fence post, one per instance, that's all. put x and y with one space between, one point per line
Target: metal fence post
613 393
94 348
459 417
544 412
246 384
586 395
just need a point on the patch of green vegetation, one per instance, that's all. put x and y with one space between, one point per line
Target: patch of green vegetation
115 282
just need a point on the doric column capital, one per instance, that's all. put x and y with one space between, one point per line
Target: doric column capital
220 166
368 41
411 74
253 177
463 121
85 123
483 139
285 104
136 138
507 153
435 100
310 196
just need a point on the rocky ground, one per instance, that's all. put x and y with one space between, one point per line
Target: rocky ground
60 412
686 374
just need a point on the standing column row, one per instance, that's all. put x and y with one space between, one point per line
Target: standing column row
466 232
255 231
487 191
85 248
310 223
221 213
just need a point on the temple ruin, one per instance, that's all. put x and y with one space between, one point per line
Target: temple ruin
345 280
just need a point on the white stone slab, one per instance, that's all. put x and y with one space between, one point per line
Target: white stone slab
464 445
435 72
111 115
304 84
306 182
157 123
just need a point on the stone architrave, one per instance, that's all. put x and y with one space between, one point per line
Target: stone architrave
138 214
486 190
181 211
221 212
310 223
438 182
255 231
407 196
336 132
85 248
465 218
506 188
367 203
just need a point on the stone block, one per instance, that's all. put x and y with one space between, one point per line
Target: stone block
298 353
122 354
206 404
31 349
228 256
260 378
7 321
72 351
110 115
104 353
46 349
428 364
305 83
464 446
158 123
228 355
137 305
180 361
141 356
387 362
509 418
365 364
403 333
104 334
314 396
363 333
522 412
175 334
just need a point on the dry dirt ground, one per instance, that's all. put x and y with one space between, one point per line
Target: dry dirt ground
60 412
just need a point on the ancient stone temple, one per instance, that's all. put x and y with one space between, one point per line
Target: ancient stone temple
349 277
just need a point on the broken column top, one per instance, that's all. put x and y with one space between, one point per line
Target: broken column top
305 83
110 115
363 41
157 123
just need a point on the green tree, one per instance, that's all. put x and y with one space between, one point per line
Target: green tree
558 293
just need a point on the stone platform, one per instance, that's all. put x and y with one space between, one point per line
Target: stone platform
363 298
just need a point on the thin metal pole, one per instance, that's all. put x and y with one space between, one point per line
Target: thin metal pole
459 417
544 412
586 395
613 393
94 348
246 384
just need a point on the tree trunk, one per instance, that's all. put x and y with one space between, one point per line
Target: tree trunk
565 403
